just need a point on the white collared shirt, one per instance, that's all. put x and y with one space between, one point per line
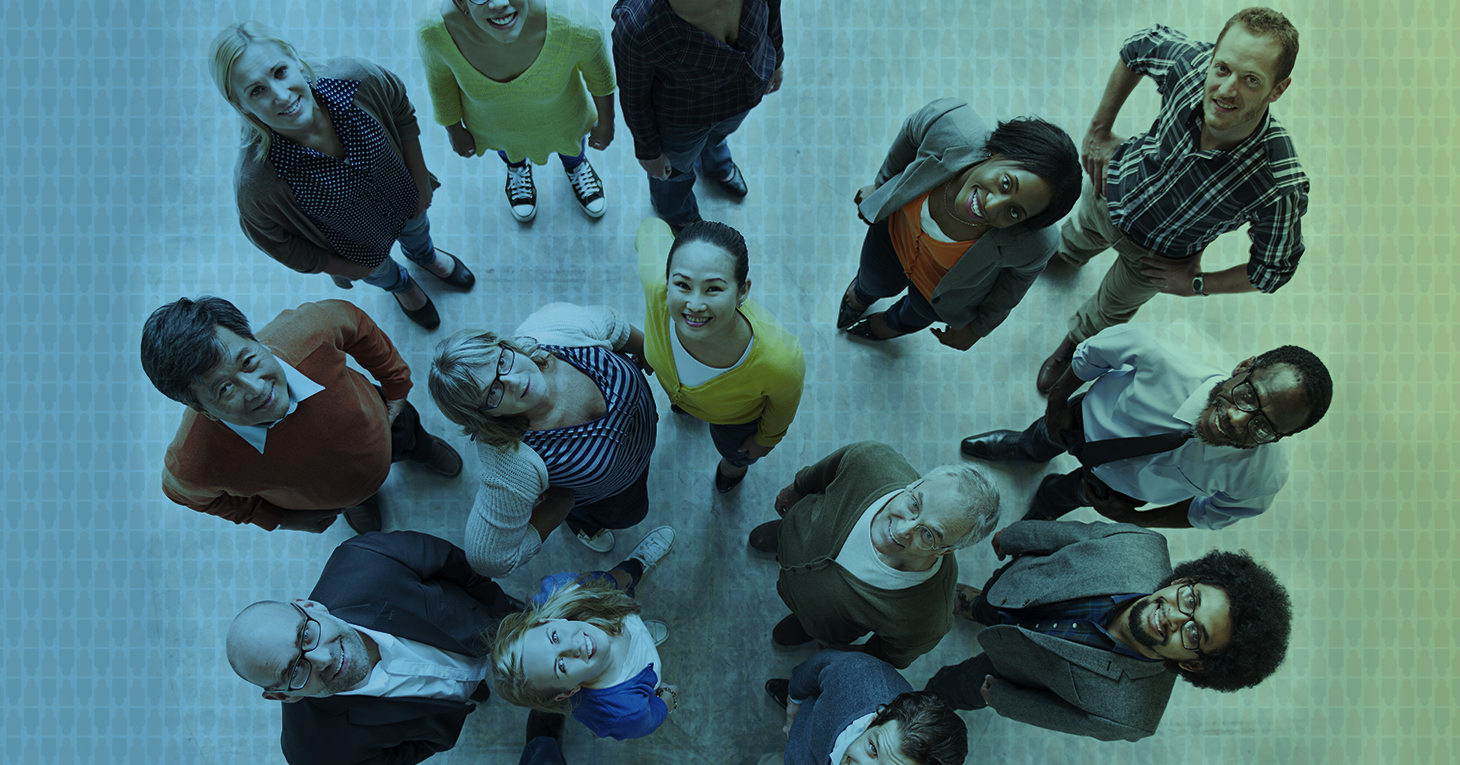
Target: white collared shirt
849 734
1144 387
408 668
300 388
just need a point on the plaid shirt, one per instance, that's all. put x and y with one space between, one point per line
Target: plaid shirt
1175 199
672 73
1081 620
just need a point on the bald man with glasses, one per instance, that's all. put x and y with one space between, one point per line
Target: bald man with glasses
384 660
1163 426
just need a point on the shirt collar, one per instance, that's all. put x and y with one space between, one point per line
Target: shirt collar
300 388
1190 410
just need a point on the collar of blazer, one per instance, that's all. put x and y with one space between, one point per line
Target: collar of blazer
1007 641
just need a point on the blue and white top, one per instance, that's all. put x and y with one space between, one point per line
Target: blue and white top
603 457
361 203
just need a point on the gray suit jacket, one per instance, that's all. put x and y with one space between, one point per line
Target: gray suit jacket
1062 685
835 688
936 143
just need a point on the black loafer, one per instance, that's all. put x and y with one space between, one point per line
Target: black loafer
460 277
364 516
779 689
995 446
425 316
735 184
863 329
789 632
444 459
724 483
766 537
846 316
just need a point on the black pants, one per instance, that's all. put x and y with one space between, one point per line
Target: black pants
620 511
958 684
408 438
1067 492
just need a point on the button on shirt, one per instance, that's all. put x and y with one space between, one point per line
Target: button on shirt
409 669
300 388
360 204
1081 620
1175 199
671 72
1143 387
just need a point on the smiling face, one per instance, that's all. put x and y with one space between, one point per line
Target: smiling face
1000 193
931 503
703 297
564 655
1156 622
1279 396
267 639
269 84
503 20
524 386
1240 83
878 745
247 387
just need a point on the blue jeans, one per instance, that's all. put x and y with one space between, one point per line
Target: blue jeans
880 275
686 149
415 243
728 439
569 163
543 750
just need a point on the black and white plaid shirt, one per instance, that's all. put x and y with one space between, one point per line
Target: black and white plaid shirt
1175 199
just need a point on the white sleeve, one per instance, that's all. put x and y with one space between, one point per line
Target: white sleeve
499 537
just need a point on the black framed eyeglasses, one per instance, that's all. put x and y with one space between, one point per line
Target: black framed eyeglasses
300 670
1191 631
497 390
1259 427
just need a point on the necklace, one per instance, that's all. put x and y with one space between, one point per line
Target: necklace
948 207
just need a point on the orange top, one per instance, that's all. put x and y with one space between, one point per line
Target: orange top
924 259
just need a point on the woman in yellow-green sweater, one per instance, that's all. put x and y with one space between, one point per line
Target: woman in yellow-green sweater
516 76
720 356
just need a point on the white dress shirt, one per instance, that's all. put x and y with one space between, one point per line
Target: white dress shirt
408 668
1144 387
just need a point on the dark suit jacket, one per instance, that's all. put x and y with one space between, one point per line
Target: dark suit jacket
414 586
837 687
1060 684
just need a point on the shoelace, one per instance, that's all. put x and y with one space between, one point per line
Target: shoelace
519 184
585 182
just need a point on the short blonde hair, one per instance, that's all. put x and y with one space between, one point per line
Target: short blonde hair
224 53
594 601
454 386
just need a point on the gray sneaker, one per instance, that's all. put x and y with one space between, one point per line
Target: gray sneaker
654 546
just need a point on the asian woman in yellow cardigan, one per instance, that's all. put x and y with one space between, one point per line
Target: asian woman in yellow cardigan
720 356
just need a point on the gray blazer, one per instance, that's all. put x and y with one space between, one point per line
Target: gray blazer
936 143
1063 685
835 688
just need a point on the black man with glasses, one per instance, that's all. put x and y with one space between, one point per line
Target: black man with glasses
1166 427
1088 627
864 550
384 661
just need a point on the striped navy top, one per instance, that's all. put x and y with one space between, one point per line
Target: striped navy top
361 203
602 457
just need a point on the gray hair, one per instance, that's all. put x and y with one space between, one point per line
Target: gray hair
980 501
454 386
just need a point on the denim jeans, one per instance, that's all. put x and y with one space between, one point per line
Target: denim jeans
728 439
415 243
880 275
688 149
569 163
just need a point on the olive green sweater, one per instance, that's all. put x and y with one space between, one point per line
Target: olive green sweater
830 603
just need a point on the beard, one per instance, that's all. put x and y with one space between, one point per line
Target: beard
1213 401
1136 620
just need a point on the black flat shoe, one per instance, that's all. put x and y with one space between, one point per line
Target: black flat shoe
460 277
780 690
863 329
846 316
426 315
724 483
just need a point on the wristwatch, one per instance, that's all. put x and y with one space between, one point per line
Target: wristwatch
1197 283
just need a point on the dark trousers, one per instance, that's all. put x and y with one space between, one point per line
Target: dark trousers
543 750
880 275
958 684
1060 494
620 511
408 438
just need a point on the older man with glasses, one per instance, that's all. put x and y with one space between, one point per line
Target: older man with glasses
1088 627
889 532
1164 426
384 661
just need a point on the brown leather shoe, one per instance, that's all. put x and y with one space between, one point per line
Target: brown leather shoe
444 459
1055 365
766 537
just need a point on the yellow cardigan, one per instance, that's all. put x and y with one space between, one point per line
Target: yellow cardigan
767 385
546 109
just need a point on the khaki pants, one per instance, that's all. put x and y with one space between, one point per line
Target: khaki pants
1124 289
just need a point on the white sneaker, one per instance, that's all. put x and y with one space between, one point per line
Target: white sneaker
588 189
657 630
600 542
521 194
654 546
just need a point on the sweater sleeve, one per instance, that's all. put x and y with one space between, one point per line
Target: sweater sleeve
499 535
387 89
577 326
595 64
652 243
431 36
214 500
265 223
783 398
814 479
367 343
625 711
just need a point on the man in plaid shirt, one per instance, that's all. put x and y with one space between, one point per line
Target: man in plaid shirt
1214 159
688 73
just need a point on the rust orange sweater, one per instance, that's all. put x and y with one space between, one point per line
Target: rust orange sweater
332 452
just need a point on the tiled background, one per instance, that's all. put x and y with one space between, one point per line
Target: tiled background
118 155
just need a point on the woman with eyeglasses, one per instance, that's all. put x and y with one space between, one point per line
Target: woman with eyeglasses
526 78
720 356
331 173
564 423
960 217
